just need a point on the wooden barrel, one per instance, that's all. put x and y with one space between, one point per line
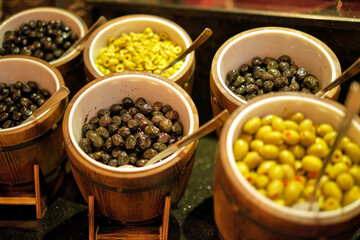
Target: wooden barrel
305 51
37 142
66 64
241 212
137 23
130 194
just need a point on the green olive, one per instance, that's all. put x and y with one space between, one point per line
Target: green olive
298 151
251 177
252 159
323 129
305 125
270 151
336 169
307 138
353 151
289 172
240 149
263 131
256 145
252 125
286 156
275 189
262 181
266 120
246 137
345 181
291 137
296 117
317 149
292 192
331 204
308 191
331 189
355 172
311 163
265 166
276 172
277 124
329 138
337 156
242 167
273 137
351 195
289 124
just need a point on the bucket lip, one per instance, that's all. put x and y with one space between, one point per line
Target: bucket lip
122 77
335 64
59 11
305 217
140 17
38 63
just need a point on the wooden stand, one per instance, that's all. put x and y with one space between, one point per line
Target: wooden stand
129 232
28 198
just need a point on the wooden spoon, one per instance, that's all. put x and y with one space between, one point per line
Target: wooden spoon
352 108
197 43
205 129
59 95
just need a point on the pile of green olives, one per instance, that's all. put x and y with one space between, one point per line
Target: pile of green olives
130 132
46 40
281 158
268 74
18 101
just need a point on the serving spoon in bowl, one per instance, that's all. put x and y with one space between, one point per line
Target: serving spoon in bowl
205 129
59 95
343 77
197 43
352 104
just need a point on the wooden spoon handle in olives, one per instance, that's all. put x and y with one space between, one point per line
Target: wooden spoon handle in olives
197 43
79 42
205 129
59 95
352 104
346 75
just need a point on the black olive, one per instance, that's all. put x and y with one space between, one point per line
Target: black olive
157 106
143 123
165 125
84 144
268 86
123 158
283 66
257 61
140 101
103 132
141 162
281 82
127 102
124 131
130 142
177 129
149 153
301 73
103 112
245 68
105 121
165 137
117 140
284 58
96 140
272 64
310 82
144 141
146 109
231 76
165 108
238 81
115 109
152 131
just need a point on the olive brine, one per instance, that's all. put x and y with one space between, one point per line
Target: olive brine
130 132
41 39
268 74
18 101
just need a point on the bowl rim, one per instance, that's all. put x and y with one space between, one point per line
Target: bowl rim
59 81
215 65
87 53
170 160
304 217
69 14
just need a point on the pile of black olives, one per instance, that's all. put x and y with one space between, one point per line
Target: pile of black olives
130 132
41 39
18 101
268 74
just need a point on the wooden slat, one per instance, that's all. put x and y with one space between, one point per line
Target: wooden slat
91 218
17 200
165 219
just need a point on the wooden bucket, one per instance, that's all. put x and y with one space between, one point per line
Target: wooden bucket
129 194
304 49
137 23
241 212
65 64
38 142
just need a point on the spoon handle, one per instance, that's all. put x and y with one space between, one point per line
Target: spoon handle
197 43
79 42
352 104
205 129
54 99
349 73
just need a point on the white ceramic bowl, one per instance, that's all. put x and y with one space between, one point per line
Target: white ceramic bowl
282 104
75 22
137 23
142 186
305 51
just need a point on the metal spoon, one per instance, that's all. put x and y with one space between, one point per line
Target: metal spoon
197 43
205 129
346 75
77 45
352 108
59 95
